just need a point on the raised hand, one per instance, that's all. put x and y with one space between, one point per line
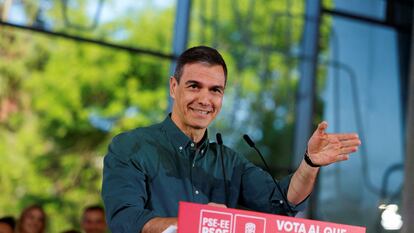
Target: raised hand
325 148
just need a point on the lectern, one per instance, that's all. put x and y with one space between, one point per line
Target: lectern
197 218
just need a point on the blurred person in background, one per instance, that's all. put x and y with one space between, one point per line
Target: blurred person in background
93 220
70 231
32 220
7 224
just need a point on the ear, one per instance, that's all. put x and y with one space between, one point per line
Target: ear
173 86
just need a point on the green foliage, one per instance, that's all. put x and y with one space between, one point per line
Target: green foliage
51 147
261 43
51 152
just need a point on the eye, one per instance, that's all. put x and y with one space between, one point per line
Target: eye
217 90
193 86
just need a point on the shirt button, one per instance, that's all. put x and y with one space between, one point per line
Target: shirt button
192 144
281 202
202 151
196 192
181 148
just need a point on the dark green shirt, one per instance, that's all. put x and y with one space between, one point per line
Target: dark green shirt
147 171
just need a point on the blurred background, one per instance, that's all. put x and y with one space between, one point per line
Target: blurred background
74 73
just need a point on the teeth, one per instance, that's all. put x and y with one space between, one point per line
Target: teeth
201 111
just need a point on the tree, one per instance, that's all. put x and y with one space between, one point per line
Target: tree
261 43
73 98
68 99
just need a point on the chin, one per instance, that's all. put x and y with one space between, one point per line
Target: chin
200 125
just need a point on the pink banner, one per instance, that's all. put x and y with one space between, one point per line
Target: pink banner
196 218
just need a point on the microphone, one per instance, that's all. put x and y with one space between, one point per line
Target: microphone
219 139
249 141
251 144
220 143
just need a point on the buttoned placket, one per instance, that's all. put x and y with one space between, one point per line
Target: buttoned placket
196 180
193 156
191 153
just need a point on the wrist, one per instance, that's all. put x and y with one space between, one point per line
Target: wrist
308 160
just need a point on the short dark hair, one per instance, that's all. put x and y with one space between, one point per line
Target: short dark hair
94 208
199 54
9 220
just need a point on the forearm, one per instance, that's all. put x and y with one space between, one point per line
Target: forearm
302 183
158 225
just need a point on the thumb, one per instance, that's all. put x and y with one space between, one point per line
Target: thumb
322 127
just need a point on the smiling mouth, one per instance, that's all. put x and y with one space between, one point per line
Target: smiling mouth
203 112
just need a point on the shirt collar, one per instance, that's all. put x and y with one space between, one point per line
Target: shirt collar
178 138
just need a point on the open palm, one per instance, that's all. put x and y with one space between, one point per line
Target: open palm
325 148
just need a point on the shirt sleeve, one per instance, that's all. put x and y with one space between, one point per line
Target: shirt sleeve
124 190
292 209
260 193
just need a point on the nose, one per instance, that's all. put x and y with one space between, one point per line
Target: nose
204 98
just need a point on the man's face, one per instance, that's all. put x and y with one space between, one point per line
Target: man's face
5 228
33 221
93 222
198 96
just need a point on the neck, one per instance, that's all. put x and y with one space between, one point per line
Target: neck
193 133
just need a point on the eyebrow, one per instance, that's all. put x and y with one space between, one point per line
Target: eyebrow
189 82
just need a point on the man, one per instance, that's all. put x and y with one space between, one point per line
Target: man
147 171
93 220
7 224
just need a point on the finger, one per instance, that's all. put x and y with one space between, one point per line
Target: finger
322 127
348 150
343 157
344 136
353 142
217 205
